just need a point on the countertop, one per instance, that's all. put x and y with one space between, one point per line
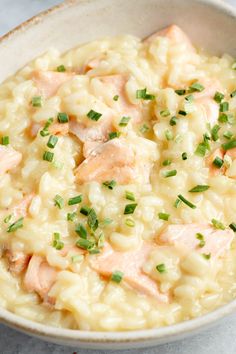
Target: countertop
219 340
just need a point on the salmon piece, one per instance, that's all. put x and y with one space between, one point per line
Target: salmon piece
48 82
184 235
59 129
17 261
114 159
40 277
21 208
92 135
55 129
130 263
175 34
213 170
9 158
115 85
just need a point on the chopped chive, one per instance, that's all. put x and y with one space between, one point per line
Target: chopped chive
58 201
94 115
177 203
130 208
228 135
71 216
81 231
142 94
52 141
214 132
182 113
114 135
115 98
180 92
173 121
218 97
16 225
233 94
92 220
189 98
7 219
206 256
105 222
110 184
36 101
224 106
124 121
196 87
230 145
61 69
184 156
129 222
144 128
200 237
48 156
44 131
161 268
169 135
77 258
85 210
203 146
234 66
57 243
185 201
166 162
233 226
117 276
170 173
129 195
94 251
165 113
163 216
5 140
218 162
75 200
63 117
218 224
199 188
224 117
85 244
101 240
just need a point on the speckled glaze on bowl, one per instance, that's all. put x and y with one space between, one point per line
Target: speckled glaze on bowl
210 24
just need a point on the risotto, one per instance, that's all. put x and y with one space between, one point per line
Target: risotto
118 184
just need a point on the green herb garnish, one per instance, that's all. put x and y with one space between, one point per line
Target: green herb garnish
199 188
117 276
185 201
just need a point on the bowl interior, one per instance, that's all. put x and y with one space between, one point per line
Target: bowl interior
209 23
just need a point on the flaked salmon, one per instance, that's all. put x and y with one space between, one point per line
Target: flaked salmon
48 82
217 242
175 34
9 158
114 159
130 264
40 277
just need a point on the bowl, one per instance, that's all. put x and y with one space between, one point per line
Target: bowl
209 23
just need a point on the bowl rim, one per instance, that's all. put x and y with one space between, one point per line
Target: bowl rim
75 336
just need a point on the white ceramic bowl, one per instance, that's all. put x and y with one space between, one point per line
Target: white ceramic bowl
210 24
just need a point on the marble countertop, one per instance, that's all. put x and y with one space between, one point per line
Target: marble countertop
219 340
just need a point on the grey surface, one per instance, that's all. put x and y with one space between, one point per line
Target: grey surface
219 340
